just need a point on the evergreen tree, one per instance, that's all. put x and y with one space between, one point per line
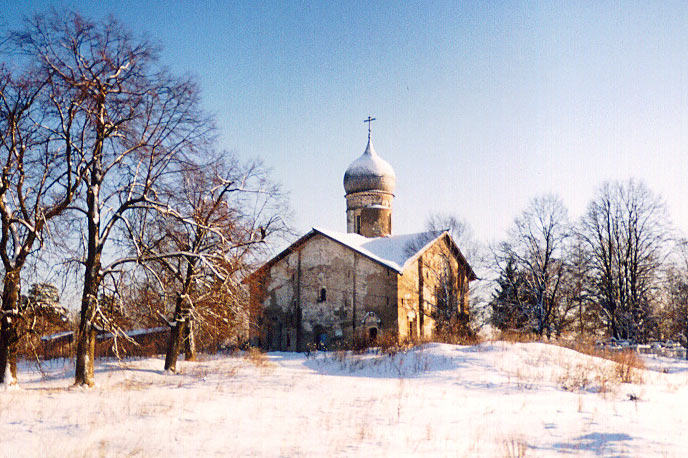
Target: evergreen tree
510 304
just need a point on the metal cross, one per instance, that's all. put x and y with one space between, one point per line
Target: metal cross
369 120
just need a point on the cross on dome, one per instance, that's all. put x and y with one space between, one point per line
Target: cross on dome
369 172
369 120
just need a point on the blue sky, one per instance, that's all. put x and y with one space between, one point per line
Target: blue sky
480 106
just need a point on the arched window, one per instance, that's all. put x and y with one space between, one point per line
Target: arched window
323 295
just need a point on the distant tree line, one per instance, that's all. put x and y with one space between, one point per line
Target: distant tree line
110 172
619 271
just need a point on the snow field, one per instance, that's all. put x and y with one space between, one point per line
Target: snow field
495 399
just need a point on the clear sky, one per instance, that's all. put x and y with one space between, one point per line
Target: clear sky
480 106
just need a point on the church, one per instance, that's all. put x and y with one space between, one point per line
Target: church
328 287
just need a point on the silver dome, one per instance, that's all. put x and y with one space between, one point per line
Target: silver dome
369 173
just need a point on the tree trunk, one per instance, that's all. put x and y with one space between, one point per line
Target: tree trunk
8 352
176 336
174 346
189 341
85 355
181 318
86 343
8 329
686 335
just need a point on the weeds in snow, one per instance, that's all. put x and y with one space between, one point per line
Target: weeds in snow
257 357
628 362
515 448
585 376
400 364
599 376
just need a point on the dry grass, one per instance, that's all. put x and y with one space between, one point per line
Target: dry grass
603 373
387 343
130 384
515 448
517 337
399 361
586 376
257 357
628 364
627 367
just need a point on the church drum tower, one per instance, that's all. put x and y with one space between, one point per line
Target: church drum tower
369 184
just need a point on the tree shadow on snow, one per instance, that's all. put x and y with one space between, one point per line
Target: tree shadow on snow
115 366
602 444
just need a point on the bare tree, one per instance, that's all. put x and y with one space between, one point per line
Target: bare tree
476 254
578 312
459 230
137 126
536 246
449 272
38 180
216 219
674 313
625 232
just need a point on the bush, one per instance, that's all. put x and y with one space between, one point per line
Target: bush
457 331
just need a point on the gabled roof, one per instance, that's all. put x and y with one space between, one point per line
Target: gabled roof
395 251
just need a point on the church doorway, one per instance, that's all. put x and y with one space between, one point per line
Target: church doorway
320 338
372 335
412 328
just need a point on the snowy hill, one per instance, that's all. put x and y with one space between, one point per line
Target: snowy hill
495 399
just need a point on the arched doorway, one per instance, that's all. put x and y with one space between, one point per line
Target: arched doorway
371 322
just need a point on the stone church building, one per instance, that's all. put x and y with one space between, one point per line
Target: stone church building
329 286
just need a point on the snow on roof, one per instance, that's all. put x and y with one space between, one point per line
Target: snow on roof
370 163
369 172
56 336
393 251
135 332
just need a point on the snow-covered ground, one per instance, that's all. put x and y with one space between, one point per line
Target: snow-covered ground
496 399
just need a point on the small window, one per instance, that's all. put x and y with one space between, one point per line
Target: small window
358 224
323 295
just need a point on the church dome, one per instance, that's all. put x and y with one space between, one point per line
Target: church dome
369 173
